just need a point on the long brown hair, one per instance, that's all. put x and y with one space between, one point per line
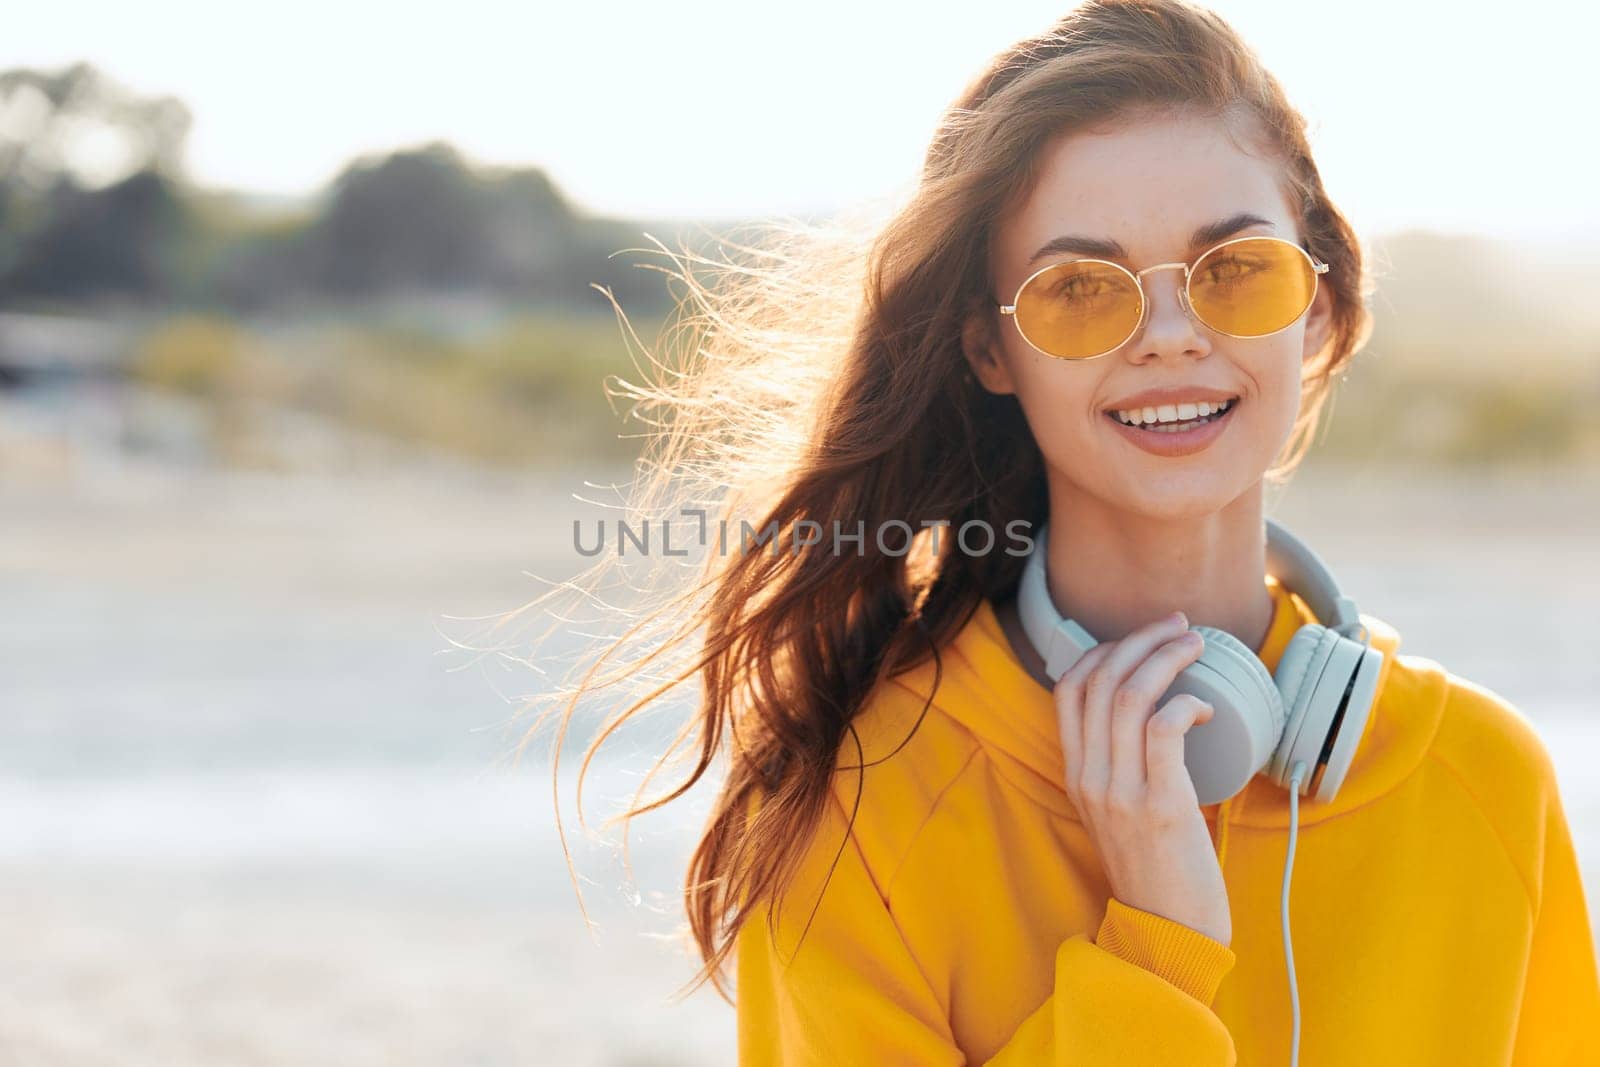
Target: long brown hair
817 376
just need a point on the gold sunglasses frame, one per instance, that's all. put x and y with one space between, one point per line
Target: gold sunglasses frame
1183 293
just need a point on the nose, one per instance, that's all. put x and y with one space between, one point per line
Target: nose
1168 319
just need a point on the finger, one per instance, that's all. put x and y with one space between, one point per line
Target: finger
1164 743
1134 703
1069 711
1132 650
1099 685
1100 688
1094 745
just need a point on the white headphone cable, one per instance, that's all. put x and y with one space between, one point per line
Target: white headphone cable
1288 945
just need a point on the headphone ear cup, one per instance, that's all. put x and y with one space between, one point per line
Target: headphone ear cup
1228 652
1317 669
1223 754
1300 669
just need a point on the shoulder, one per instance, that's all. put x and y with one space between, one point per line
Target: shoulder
1484 735
1431 713
1496 756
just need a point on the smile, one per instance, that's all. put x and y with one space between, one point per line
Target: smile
1187 432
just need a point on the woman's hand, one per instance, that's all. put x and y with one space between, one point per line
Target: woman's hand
1126 777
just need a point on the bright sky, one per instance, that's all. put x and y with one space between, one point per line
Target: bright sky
1470 117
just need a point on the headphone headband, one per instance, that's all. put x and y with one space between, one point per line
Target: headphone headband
1292 562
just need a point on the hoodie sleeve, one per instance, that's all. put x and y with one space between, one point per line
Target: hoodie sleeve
1138 993
1559 1019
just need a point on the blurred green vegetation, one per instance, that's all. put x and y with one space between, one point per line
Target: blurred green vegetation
529 392
1402 411
1478 356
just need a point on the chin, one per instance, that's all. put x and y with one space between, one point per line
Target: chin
1191 494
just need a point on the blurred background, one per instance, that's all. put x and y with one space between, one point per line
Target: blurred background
301 364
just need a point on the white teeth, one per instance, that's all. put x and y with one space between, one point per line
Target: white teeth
1173 413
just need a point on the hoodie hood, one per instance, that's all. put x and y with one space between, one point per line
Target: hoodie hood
987 690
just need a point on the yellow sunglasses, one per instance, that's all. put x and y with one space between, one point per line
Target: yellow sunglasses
1246 287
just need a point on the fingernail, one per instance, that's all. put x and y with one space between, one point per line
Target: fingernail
1180 618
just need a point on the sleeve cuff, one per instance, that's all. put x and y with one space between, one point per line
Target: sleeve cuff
1182 955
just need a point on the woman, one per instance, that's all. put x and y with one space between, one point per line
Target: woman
925 851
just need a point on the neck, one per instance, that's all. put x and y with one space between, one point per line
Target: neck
1114 571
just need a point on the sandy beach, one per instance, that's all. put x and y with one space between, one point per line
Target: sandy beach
255 817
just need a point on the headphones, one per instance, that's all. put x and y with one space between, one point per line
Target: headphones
1310 715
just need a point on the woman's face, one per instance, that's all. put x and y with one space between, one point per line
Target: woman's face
1149 186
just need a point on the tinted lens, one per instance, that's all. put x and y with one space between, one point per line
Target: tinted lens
1079 309
1252 287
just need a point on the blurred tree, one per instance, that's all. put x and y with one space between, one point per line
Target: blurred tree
90 184
424 218
411 218
76 121
94 203
120 240
534 235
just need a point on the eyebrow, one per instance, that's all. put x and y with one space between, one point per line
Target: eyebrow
1104 248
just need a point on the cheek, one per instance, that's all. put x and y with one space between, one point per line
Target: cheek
1275 387
1058 400
1280 379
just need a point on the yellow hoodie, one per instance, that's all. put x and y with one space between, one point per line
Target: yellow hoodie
1436 907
